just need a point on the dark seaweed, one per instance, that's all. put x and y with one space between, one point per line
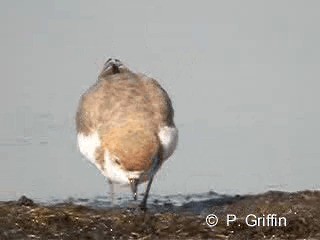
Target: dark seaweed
24 219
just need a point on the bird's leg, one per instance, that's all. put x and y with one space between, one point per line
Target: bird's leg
155 166
134 187
111 190
143 204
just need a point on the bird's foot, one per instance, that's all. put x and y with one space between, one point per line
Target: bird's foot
143 206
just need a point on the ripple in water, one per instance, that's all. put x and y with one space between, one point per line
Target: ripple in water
195 203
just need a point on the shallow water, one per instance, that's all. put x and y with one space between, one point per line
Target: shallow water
195 203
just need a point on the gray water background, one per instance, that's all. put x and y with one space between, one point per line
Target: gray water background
243 77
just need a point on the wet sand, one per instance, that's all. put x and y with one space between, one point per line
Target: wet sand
164 219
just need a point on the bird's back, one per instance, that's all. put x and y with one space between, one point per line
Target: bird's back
127 111
116 99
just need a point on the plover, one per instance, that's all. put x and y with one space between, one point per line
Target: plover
125 126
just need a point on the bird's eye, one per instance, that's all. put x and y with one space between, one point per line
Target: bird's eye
117 161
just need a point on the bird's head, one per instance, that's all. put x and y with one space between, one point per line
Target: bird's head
131 150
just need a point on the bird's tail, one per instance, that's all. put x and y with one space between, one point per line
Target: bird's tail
112 66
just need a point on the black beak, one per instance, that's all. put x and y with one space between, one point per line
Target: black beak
134 186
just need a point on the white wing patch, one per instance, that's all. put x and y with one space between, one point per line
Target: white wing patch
169 139
88 145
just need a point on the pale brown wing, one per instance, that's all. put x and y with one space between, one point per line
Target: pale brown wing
85 119
160 101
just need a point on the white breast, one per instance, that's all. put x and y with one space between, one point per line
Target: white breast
169 139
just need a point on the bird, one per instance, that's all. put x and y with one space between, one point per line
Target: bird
125 127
